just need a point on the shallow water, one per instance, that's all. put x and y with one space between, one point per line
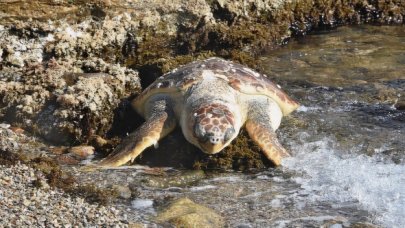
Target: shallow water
347 141
349 156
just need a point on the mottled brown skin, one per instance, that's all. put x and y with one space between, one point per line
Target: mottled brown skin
211 100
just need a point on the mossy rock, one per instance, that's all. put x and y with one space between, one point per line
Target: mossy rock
185 213
181 179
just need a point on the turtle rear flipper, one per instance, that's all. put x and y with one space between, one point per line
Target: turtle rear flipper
160 122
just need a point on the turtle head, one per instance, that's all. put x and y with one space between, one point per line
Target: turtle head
212 127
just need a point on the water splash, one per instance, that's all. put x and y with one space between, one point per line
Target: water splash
360 180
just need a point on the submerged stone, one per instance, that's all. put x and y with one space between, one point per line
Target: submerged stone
82 152
183 179
185 213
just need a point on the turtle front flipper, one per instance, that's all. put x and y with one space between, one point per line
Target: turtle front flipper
266 138
263 119
160 121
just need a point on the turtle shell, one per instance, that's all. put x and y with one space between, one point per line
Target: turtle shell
239 77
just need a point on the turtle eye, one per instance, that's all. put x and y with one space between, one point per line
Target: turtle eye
229 133
200 133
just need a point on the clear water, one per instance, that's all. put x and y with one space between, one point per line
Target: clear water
350 154
347 141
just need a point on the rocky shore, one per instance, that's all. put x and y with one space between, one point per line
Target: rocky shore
24 204
68 70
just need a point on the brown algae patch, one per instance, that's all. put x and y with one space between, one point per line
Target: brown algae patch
242 154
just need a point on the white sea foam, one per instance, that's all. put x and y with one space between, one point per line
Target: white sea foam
227 179
330 177
142 203
202 188
303 108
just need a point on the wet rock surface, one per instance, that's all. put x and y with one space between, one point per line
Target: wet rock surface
68 70
185 213
63 106
45 60
182 179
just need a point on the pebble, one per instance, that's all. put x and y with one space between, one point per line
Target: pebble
5 126
17 130
82 152
67 159
185 213
99 141
123 191
24 205
400 104
58 150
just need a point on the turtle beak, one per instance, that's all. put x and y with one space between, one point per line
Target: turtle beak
211 147
213 144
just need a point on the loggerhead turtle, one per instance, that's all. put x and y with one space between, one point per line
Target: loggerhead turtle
210 100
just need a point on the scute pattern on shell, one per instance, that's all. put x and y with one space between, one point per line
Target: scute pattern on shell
238 76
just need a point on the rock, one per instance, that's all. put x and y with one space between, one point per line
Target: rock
185 213
67 159
385 94
17 130
82 152
58 150
136 225
4 126
400 104
98 141
178 180
363 225
123 191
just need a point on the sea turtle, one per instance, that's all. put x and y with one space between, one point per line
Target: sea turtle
210 100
